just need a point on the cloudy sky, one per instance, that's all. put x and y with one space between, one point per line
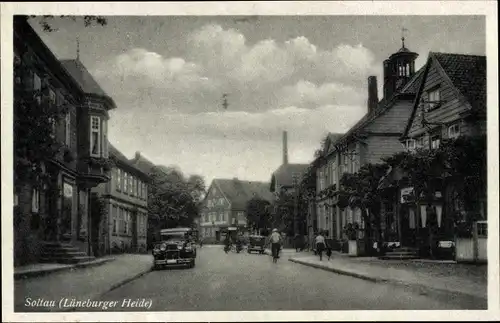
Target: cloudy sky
303 74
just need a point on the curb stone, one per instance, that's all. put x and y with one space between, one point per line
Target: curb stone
38 273
339 271
113 287
422 289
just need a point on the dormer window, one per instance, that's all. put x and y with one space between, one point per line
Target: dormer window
434 98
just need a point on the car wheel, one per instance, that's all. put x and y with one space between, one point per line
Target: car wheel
192 264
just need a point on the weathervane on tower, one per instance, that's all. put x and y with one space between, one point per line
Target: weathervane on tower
403 30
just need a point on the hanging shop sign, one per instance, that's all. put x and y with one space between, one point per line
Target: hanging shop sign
407 195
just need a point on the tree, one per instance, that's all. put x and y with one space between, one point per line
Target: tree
258 215
45 21
360 190
459 163
173 198
282 218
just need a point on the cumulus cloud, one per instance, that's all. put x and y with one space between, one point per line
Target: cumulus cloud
261 76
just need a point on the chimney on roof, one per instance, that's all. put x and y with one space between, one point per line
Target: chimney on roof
285 148
137 155
372 93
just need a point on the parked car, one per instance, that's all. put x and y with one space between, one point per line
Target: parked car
256 243
177 248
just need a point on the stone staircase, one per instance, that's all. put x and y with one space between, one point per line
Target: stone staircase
401 253
63 253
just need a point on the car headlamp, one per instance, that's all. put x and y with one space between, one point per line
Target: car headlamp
163 247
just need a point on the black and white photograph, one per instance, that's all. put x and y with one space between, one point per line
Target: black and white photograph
228 160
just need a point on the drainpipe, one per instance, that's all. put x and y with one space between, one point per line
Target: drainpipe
89 226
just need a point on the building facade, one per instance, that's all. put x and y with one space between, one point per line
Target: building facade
450 103
224 206
58 211
375 136
125 197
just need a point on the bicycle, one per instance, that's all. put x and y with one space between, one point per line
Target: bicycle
276 255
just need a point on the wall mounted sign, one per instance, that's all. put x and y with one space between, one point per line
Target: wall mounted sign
67 190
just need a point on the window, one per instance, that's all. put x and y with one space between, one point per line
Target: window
137 190
130 184
105 138
114 212
145 191
482 229
52 97
126 222
37 82
321 180
60 99
334 172
35 201
125 182
95 136
67 129
435 142
410 144
133 193
118 179
434 98
454 131
419 142
226 216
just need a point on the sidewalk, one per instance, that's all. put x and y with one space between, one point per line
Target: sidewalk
41 269
438 277
78 283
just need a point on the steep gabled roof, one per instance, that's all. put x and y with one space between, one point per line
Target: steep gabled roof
385 104
239 192
86 81
120 159
467 73
142 163
284 174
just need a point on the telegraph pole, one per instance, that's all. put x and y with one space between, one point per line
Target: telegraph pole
296 206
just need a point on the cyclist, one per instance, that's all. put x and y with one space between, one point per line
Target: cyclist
275 240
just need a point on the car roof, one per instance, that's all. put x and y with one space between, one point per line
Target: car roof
176 230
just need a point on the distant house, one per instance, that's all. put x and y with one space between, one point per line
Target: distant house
224 206
126 200
373 137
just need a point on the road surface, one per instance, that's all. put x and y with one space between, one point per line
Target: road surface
232 282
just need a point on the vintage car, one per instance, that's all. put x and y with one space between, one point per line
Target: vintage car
177 248
256 243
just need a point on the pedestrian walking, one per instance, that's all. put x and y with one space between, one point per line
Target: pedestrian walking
320 245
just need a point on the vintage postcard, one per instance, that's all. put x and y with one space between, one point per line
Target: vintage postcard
250 161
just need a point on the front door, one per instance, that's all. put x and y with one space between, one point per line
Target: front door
217 235
408 226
